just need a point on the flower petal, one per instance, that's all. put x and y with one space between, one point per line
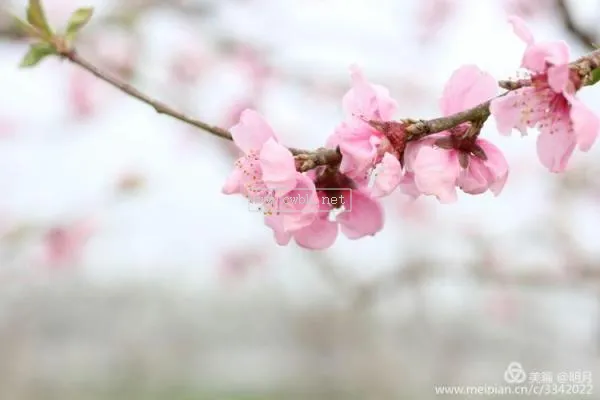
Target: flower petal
233 181
275 222
497 164
558 77
537 56
319 235
408 185
555 150
278 167
467 87
251 132
436 171
507 114
521 29
388 177
300 206
586 124
475 178
364 216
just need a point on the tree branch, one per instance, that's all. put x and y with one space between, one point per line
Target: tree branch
308 159
160 108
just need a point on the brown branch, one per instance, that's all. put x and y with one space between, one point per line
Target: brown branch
422 128
586 38
160 107
307 159
311 159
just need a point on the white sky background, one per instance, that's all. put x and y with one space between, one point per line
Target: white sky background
53 170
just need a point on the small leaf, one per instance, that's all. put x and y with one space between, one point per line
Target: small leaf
36 53
78 20
594 77
25 27
37 17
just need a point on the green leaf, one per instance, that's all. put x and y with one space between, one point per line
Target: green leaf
37 52
594 77
78 20
37 17
25 27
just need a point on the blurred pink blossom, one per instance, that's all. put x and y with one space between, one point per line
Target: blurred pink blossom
432 15
63 244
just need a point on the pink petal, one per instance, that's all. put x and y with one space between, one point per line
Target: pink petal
521 30
251 132
534 59
558 77
586 124
320 235
408 185
278 167
386 105
413 148
497 164
304 206
558 52
475 178
538 56
357 143
555 150
232 184
275 222
364 216
467 87
388 177
436 171
507 114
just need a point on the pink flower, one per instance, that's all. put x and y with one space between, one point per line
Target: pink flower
549 103
267 172
64 245
432 15
237 264
439 167
438 164
358 141
363 217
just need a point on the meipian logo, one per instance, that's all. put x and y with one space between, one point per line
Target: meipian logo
515 373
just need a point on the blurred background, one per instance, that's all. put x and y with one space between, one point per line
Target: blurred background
126 274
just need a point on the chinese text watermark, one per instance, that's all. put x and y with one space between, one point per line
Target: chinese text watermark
519 382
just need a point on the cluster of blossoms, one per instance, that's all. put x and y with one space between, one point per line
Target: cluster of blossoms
379 155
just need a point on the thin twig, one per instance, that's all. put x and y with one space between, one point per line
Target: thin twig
160 107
